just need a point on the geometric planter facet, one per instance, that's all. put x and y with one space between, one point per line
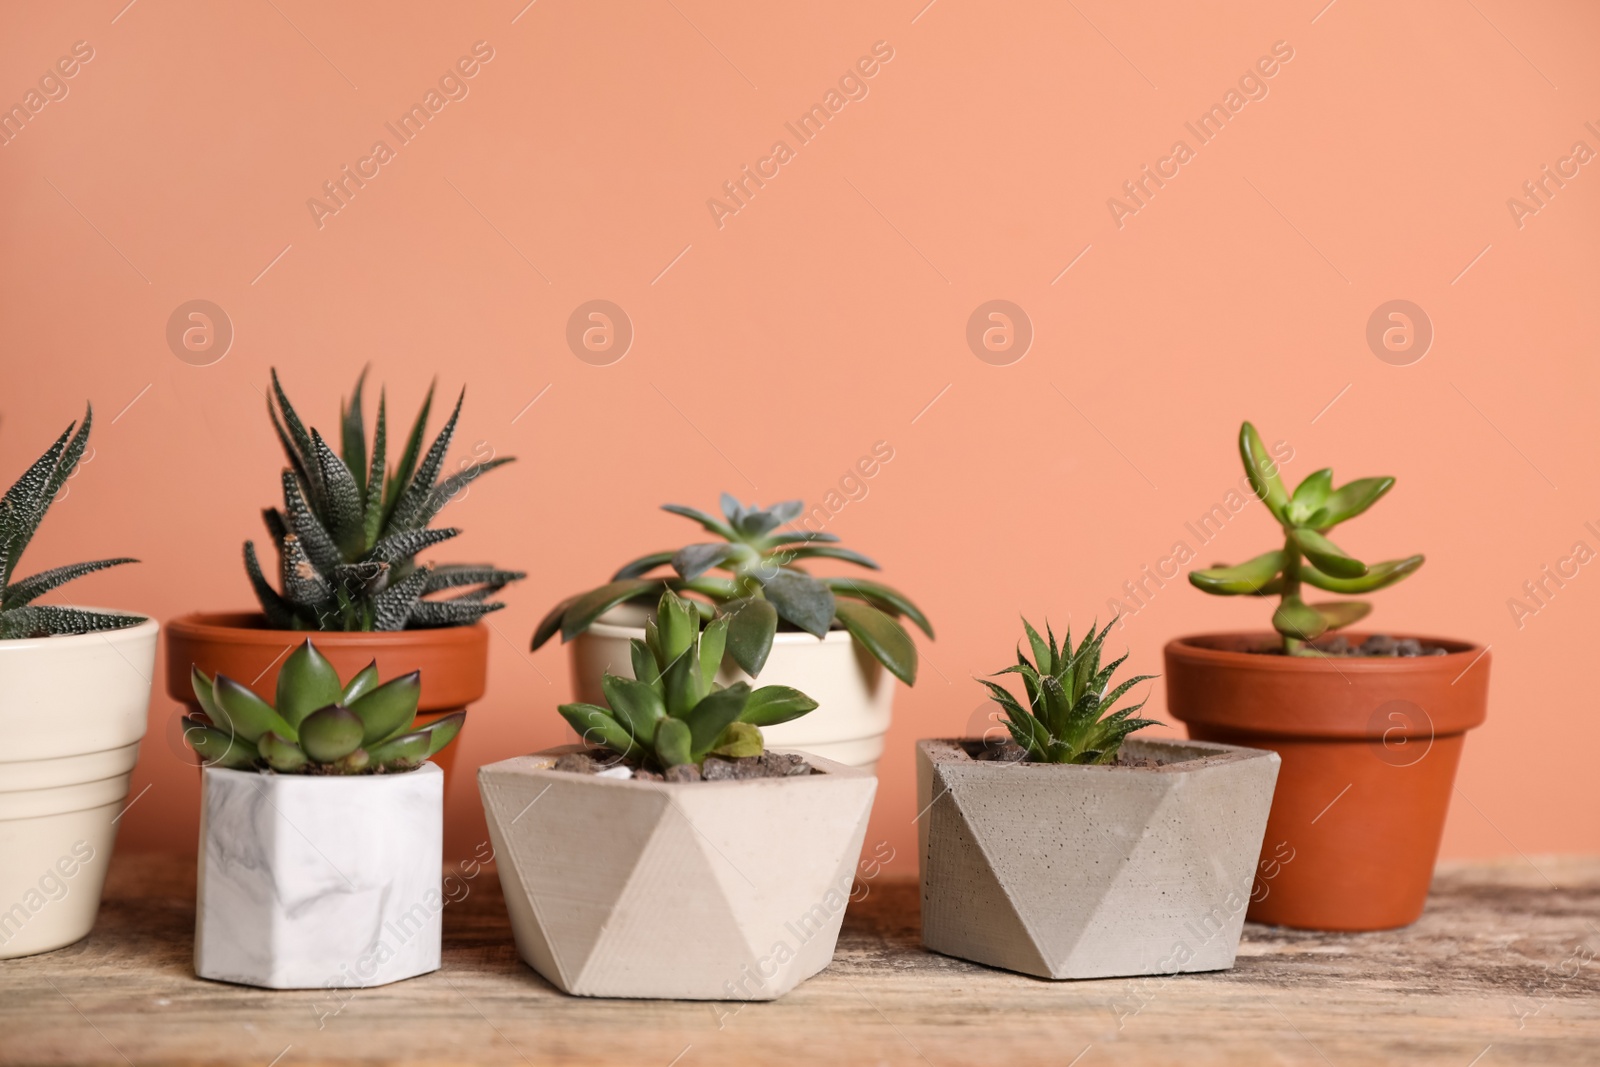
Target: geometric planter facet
1066 871
319 881
721 890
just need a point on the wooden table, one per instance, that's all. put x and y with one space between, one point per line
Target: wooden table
1500 970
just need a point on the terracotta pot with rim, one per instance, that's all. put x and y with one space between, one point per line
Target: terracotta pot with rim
454 660
1369 748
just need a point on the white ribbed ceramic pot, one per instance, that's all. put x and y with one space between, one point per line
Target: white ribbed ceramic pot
72 711
854 694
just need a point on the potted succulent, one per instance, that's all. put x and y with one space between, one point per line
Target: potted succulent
672 855
347 538
1076 851
838 638
321 830
1370 726
74 693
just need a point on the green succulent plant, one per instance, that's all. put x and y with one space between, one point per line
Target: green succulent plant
350 528
1070 717
22 509
673 712
316 725
763 585
1307 556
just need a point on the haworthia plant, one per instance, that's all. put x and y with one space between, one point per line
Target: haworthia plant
762 584
1307 556
672 711
1069 717
352 525
316 724
22 509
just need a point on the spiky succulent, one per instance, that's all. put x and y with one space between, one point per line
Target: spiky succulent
350 528
672 711
1307 556
317 724
21 510
1070 717
762 586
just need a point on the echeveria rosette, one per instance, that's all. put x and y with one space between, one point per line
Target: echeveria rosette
673 711
761 582
316 724
1070 717
351 527
22 509
1307 557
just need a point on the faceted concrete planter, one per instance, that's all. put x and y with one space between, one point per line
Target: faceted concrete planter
729 890
319 881
854 694
72 711
1091 872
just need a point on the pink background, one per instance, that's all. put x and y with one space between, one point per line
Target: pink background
827 313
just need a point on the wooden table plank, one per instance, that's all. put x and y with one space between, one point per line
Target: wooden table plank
1501 969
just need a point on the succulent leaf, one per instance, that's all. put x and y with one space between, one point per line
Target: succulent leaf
673 743
218 748
1262 471
886 639
712 715
634 704
365 681
739 740
306 682
329 734
801 600
281 755
774 704
752 624
248 714
1244 578
389 709
1325 555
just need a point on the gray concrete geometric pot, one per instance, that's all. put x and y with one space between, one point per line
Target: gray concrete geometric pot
1065 871
725 890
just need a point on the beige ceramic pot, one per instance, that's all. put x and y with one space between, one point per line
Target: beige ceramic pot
72 711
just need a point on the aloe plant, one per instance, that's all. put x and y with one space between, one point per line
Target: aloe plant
1307 556
763 584
316 724
672 711
351 527
1069 717
22 509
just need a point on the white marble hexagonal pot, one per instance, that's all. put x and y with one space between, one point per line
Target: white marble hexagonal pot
727 890
319 881
1064 871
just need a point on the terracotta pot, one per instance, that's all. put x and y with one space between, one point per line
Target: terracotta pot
454 660
1369 747
853 691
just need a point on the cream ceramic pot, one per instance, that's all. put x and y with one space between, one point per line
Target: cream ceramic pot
72 711
854 694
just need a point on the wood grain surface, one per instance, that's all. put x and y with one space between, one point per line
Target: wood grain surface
1501 969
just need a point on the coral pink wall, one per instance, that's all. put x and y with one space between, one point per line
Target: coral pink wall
775 344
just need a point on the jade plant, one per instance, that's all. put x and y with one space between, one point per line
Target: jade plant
1308 557
351 527
672 711
22 509
761 585
1070 717
316 724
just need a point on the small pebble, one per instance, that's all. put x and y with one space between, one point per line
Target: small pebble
683 772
